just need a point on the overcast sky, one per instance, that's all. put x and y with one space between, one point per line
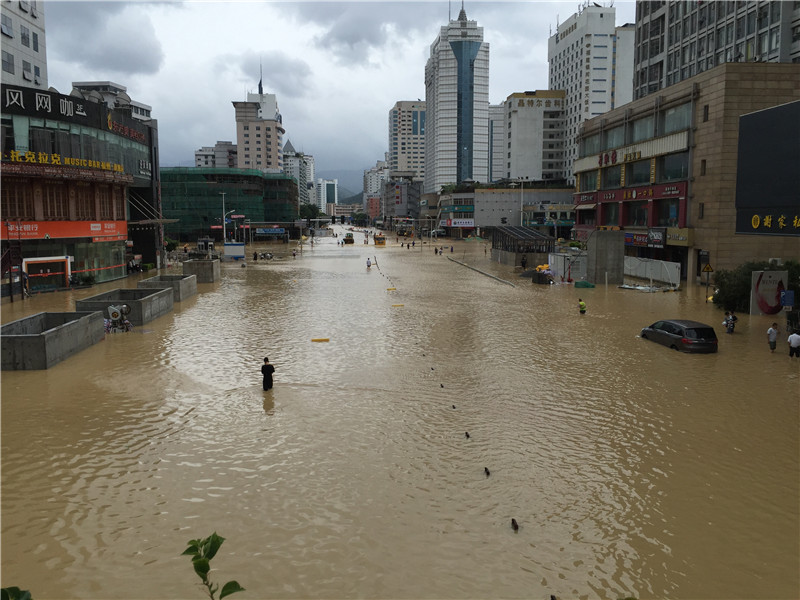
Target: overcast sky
337 68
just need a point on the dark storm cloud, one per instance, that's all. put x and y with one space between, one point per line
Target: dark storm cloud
351 29
103 37
284 75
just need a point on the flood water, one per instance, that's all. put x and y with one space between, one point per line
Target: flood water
630 468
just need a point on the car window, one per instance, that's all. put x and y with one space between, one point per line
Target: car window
673 329
701 333
658 325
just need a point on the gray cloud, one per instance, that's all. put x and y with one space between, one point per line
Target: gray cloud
284 74
109 36
352 29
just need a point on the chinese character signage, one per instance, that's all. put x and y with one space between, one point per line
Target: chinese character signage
768 172
42 104
99 231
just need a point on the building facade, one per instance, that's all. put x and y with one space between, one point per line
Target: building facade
220 156
535 135
295 165
327 193
259 133
457 106
498 142
407 137
678 40
588 58
255 203
23 44
79 182
664 170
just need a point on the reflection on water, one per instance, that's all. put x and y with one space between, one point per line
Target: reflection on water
631 469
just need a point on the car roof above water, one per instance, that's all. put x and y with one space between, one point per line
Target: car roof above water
686 323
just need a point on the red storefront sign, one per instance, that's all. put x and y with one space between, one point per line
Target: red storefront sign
99 231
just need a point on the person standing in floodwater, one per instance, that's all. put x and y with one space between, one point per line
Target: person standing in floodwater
581 306
267 370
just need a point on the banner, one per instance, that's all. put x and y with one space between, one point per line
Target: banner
765 291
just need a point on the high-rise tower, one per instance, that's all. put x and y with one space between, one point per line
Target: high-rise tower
457 105
678 40
590 59
259 133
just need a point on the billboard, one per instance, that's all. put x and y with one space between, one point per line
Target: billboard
767 176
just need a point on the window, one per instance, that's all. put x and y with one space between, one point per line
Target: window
642 129
35 42
637 173
703 167
17 200
637 214
588 180
667 212
591 144
610 213
705 113
26 71
7 26
54 200
615 137
677 119
612 177
673 167
8 62
84 202
25 36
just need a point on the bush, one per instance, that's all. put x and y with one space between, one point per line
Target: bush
170 244
733 287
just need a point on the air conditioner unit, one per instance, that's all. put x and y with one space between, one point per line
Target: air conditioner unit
775 262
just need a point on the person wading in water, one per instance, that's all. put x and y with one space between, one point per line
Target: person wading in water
267 370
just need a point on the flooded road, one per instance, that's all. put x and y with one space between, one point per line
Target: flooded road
631 469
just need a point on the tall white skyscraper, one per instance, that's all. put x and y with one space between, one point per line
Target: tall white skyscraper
588 58
407 137
457 106
327 193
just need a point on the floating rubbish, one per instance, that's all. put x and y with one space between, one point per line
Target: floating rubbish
390 289
320 339
398 304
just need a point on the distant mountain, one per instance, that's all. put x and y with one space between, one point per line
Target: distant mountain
350 182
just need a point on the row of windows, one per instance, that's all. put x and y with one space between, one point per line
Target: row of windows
29 72
663 169
76 141
91 201
665 122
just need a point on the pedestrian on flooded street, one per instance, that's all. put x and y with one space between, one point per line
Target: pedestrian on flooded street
267 370
772 337
581 306
794 344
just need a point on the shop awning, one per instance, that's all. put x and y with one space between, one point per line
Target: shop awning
585 206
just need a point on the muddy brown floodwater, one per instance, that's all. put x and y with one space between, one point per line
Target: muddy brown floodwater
630 468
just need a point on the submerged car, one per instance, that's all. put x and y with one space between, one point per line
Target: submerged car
686 336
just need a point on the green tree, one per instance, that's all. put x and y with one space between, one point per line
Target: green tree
309 211
360 219
733 287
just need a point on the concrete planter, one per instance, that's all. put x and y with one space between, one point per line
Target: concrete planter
145 304
183 286
45 339
207 271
